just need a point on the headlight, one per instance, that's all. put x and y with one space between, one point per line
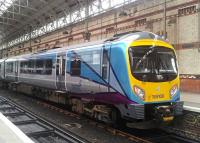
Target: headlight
139 92
173 90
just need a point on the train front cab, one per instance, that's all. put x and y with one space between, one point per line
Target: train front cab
154 81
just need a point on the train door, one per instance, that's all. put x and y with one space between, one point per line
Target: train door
4 69
1 73
16 71
105 68
60 71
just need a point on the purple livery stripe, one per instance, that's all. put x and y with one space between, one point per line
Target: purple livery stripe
107 98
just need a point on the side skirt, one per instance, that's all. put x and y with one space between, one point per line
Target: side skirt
102 112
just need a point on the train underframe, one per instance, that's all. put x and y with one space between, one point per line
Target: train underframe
111 114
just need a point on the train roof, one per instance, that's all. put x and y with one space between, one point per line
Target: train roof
141 35
57 50
2 60
122 37
136 35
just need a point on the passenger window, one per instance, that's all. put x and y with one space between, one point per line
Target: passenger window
39 66
49 64
63 66
30 66
75 67
39 63
48 67
9 67
105 64
92 57
24 67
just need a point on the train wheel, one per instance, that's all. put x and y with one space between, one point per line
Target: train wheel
117 121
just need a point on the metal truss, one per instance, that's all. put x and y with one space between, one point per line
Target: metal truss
13 7
10 11
82 11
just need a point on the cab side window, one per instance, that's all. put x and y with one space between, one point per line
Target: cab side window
75 67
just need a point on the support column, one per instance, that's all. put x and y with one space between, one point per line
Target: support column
199 24
164 20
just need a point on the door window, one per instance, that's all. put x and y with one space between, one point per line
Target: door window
63 66
105 64
58 67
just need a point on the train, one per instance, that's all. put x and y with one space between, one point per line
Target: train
132 76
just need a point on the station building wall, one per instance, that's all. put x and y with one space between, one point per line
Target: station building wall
181 24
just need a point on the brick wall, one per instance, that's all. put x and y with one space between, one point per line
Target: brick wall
190 85
182 31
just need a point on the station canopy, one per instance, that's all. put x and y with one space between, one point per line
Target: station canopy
21 20
4 5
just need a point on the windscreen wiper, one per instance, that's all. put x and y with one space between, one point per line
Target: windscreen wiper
145 56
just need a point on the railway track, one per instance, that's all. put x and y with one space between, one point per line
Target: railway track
187 126
97 124
142 137
135 136
179 134
36 128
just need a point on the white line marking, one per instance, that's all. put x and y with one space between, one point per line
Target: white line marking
22 137
195 109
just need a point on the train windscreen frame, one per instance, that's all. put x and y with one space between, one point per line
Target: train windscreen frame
153 64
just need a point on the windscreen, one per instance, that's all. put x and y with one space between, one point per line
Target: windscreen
153 64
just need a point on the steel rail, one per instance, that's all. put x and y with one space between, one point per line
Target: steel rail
15 112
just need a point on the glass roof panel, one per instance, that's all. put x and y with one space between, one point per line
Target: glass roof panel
4 5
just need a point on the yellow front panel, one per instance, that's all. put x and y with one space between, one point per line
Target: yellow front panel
154 91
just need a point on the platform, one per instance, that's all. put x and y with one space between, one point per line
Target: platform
191 101
9 133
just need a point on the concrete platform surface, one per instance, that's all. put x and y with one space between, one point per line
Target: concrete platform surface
191 101
9 133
